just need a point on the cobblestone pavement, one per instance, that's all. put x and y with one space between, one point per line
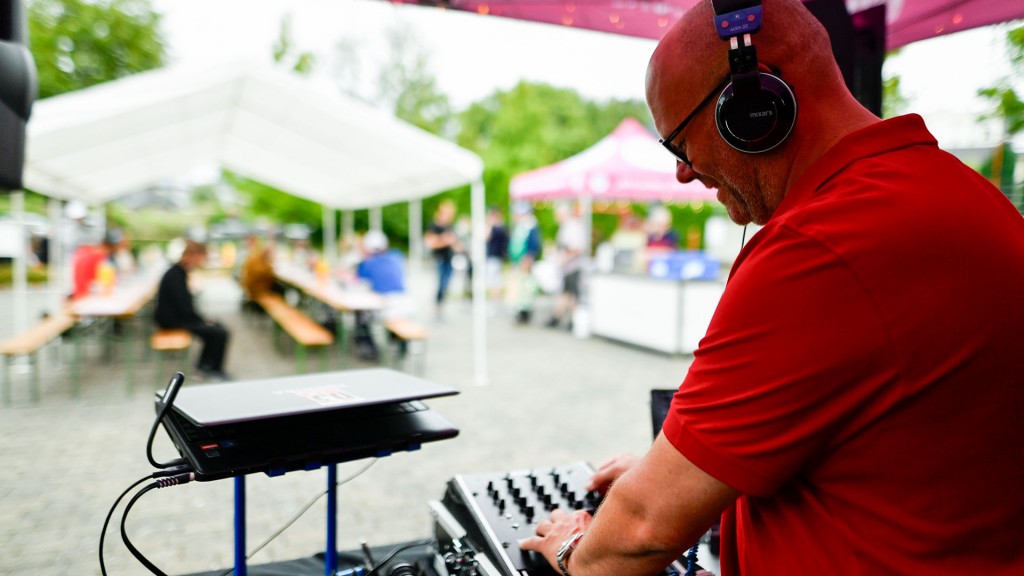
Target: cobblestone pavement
550 399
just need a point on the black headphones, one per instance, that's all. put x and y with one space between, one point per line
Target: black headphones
756 111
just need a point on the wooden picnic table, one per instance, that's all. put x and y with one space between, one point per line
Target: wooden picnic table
122 302
327 291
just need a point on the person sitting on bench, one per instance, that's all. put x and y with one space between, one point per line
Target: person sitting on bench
384 271
175 309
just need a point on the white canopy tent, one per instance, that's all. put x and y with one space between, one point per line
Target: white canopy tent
300 136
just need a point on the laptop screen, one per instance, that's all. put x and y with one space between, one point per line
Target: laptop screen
661 400
217 404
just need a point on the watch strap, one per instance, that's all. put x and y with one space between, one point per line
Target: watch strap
565 550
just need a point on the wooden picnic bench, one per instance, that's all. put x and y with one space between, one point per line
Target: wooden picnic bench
28 343
403 331
169 342
303 330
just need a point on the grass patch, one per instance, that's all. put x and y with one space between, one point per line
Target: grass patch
35 275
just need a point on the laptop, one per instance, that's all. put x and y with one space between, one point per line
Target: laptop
661 401
302 422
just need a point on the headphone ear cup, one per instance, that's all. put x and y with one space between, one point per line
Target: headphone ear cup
757 121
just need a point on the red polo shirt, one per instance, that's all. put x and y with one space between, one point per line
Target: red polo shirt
862 381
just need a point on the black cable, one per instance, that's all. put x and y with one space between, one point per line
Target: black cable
106 521
124 534
175 480
165 404
396 551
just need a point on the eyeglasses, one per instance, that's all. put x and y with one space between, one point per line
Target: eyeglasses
667 141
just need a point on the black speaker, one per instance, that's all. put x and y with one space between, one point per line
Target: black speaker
18 90
756 111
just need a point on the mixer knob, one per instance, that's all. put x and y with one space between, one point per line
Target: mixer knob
516 492
555 476
528 512
533 479
501 504
564 488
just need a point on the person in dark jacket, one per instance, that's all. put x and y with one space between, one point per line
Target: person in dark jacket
175 309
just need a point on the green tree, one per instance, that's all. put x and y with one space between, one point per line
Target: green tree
533 125
407 87
285 52
1008 107
79 43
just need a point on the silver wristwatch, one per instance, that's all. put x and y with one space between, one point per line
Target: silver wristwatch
565 549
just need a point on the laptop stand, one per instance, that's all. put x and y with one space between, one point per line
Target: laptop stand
331 552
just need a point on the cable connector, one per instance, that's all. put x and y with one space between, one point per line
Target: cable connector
179 469
177 480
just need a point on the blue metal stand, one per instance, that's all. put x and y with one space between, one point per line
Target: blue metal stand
331 554
240 569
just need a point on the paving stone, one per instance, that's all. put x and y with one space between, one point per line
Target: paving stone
551 399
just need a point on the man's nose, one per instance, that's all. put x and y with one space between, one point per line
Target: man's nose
684 173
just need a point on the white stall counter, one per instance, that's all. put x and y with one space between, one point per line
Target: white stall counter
669 316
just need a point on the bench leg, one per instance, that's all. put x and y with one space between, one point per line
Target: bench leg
35 367
76 358
159 365
339 329
128 347
6 382
300 358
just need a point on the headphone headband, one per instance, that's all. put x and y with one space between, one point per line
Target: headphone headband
756 111
736 17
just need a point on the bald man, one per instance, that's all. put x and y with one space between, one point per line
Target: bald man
856 404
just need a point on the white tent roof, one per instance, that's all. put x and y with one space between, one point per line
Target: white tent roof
281 129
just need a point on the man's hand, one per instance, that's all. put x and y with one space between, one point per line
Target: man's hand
552 532
610 472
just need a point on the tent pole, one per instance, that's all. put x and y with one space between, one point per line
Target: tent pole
330 236
587 216
416 234
348 228
55 254
20 266
377 219
479 283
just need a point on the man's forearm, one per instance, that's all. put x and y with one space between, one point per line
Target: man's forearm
623 540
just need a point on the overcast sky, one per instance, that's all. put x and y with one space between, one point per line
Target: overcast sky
471 55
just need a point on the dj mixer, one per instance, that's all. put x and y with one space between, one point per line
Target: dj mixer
482 517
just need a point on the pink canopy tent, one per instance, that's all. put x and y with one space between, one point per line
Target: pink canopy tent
907 20
628 164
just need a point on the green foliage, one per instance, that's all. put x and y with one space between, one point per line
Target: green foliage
285 52
79 43
280 206
893 101
533 125
1007 106
36 275
35 203
1006 103
407 85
